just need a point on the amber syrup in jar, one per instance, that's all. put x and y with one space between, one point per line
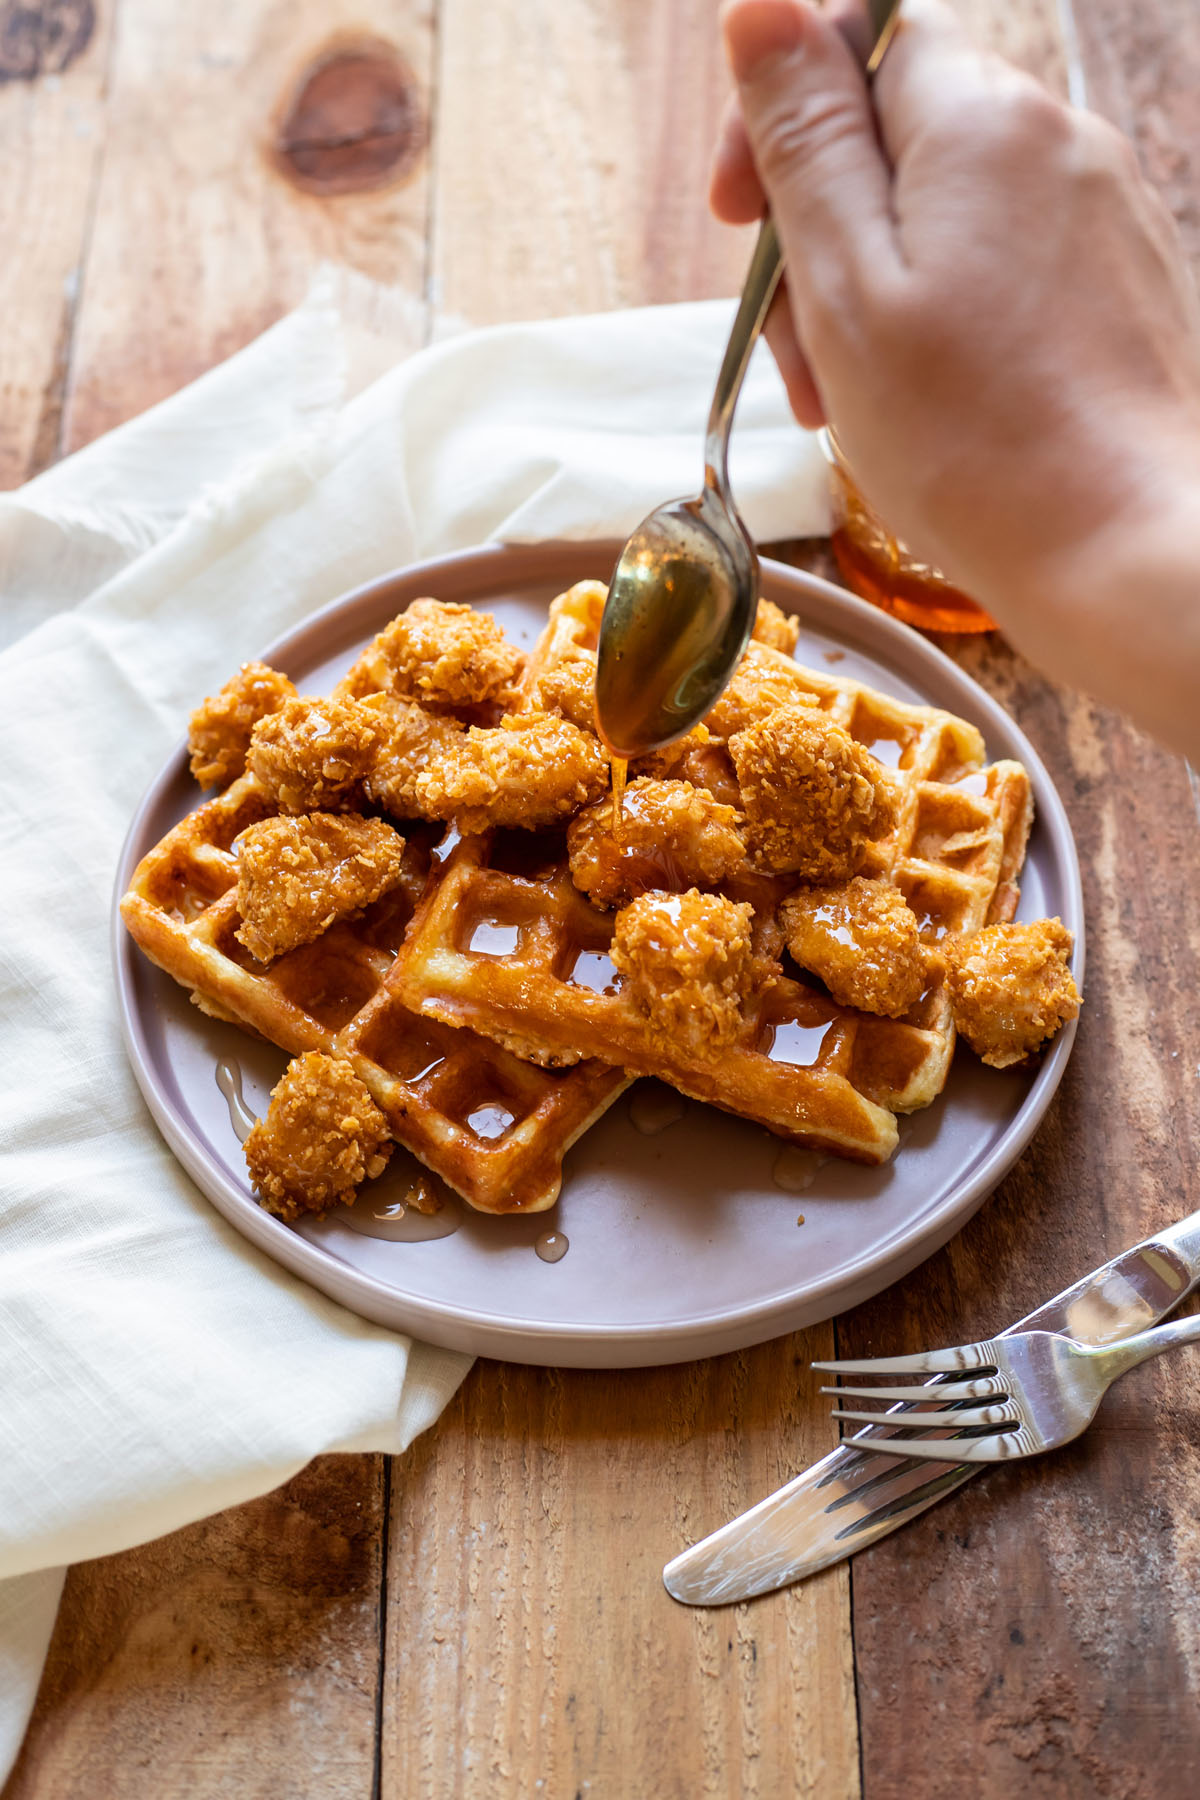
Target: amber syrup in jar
879 568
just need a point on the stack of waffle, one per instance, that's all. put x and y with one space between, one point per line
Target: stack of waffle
478 1001
493 1127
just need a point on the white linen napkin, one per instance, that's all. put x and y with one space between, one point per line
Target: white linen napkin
154 1368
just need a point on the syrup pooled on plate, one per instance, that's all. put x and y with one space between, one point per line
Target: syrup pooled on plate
796 1169
403 1207
229 1080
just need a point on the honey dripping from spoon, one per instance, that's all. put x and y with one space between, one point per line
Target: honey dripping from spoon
620 769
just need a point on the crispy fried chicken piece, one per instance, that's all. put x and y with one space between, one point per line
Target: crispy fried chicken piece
775 627
1011 988
587 601
412 739
813 797
862 940
686 960
764 680
699 758
219 729
322 1136
312 754
665 764
672 835
568 687
438 652
531 770
299 876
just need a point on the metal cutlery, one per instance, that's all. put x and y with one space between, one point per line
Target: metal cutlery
1041 1390
856 1495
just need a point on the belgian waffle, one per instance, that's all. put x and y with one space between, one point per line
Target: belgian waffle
494 1127
507 946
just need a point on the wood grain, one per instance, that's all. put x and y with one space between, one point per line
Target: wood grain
51 136
571 158
1141 69
1052 1607
199 239
238 1657
529 1636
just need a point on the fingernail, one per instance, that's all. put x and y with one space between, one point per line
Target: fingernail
758 32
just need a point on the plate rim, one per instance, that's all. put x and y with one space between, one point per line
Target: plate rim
615 1344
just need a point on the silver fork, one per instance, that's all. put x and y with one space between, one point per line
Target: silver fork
1042 1389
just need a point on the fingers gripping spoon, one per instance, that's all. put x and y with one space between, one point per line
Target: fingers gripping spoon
683 595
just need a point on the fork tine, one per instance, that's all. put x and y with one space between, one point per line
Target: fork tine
957 1420
928 1391
925 1362
997 1447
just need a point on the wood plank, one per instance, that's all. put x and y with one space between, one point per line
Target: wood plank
1052 1607
237 1657
200 239
52 128
571 160
1049 1610
531 1647
1141 69
185 1656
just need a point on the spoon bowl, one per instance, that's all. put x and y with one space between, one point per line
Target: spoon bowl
680 611
683 595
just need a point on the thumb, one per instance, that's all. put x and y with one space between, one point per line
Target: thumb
812 133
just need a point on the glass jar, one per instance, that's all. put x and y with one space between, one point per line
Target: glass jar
878 566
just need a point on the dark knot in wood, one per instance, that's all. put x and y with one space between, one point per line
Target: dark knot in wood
356 122
42 37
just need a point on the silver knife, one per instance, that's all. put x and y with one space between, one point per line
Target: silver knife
852 1497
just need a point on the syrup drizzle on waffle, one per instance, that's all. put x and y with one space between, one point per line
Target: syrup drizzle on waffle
822 1075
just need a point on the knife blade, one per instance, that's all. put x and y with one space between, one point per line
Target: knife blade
852 1497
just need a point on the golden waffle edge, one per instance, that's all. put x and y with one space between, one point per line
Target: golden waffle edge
498 948
493 1127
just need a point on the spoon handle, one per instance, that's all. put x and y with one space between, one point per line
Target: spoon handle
762 278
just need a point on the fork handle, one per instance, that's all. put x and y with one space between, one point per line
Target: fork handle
1129 1352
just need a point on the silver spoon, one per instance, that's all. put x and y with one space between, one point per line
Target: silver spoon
683 596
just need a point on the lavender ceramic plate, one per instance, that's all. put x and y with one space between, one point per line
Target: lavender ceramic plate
682 1240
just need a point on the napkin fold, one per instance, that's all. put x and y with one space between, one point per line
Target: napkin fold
154 1368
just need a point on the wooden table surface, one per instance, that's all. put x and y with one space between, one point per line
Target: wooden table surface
484 1617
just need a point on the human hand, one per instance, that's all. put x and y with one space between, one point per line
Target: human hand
989 302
